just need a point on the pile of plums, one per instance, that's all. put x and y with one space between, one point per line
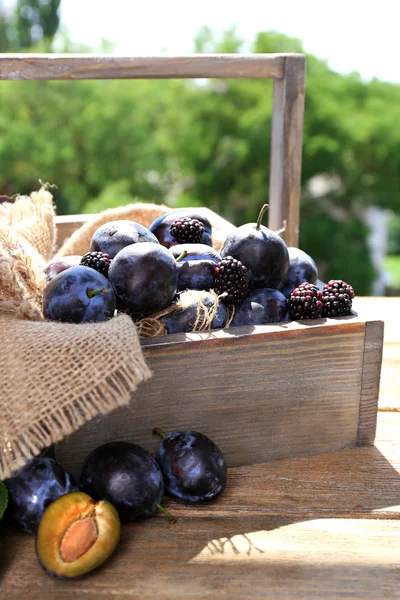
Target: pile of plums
172 264
77 525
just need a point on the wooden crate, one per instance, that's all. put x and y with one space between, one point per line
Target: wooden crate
265 392
262 393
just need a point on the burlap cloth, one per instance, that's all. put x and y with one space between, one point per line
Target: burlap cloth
54 377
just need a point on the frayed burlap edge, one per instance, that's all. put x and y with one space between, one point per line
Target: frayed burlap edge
32 218
109 395
60 419
21 276
27 241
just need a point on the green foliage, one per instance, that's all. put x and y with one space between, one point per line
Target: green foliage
106 143
4 24
338 245
114 194
394 235
36 19
31 22
3 499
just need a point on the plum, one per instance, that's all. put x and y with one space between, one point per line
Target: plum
193 467
196 269
263 305
125 474
79 295
264 253
38 483
76 535
113 236
302 268
144 277
57 265
184 317
161 226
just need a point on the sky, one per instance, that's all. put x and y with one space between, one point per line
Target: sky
352 35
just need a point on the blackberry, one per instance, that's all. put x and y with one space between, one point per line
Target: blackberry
305 302
186 230
98 261
230 280
337 296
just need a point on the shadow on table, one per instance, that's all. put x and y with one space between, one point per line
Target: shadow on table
288 514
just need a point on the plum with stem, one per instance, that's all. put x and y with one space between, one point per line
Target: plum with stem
263 251
126 475
79 295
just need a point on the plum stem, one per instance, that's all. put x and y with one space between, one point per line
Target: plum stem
260 216
157 431
183 255
91 293
170 518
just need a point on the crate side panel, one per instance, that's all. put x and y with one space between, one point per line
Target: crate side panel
371 375
259 400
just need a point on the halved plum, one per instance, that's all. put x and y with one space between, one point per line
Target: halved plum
76 535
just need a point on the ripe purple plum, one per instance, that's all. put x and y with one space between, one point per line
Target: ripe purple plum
126 475
302 268
113 236
263 251
264 305
196 269
193 467
36 485
161 226
183 319
144 277
58 265
79 295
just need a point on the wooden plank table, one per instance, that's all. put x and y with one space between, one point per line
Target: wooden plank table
324 526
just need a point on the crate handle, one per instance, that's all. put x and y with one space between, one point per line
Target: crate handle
287 71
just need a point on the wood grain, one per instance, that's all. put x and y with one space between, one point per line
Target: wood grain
371 371
239 558
286 150
261 393
103 66
324 526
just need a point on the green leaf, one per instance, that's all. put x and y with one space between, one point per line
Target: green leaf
3 499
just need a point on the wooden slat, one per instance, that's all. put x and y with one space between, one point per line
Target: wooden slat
286 150
103 66
371 372
239 558
283 529
261 393
67 225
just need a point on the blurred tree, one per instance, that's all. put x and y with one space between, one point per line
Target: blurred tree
394 235
36 19
31 22
208 143
4 29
